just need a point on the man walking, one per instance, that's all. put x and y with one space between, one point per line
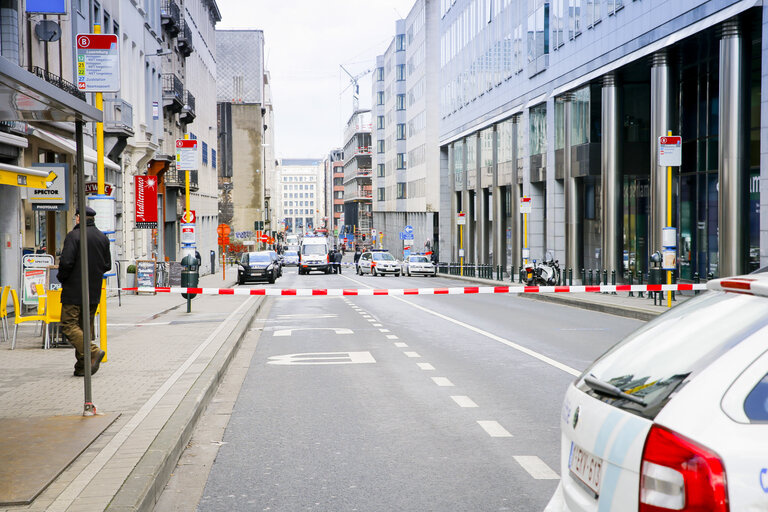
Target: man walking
337 256
357 257
70 277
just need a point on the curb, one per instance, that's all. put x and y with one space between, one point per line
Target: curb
600 307
148 479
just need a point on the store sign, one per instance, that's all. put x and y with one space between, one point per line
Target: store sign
146 202
92 187
55 197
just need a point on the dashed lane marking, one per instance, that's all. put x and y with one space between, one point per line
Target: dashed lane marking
289 332
425 366
536 467
463 401
494 428
375 325
392 337
400 344
411 354
383 330
442 381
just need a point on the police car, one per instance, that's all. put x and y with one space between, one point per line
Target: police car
674 417
378 262
419 264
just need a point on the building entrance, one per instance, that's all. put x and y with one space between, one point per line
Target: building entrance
636 210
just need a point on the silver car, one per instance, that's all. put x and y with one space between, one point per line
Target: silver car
419 264
291 258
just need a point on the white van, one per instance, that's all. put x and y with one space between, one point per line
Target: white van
313 255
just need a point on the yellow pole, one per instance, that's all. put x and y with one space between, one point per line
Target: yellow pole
669 222
103 319
186 188
99 137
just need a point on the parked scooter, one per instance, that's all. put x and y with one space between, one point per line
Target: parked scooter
546 273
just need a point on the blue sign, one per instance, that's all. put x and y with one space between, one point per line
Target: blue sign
406 236
47 6
408 229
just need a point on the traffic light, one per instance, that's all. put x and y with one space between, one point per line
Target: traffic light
258 225
363 237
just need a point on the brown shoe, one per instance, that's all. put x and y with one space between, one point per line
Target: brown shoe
97 361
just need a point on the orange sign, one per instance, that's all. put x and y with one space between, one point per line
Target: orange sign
223 230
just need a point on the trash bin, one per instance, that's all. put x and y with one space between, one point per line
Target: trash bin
190 276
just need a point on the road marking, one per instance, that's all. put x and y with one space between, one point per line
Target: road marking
425 366
392 337
322 358
400 344
81 481
383 330
375 325
412 354
289 332
372 320
494 429
536 467
308 315
442 381
541 357
464 401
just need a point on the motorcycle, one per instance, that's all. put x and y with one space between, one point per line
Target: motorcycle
546 273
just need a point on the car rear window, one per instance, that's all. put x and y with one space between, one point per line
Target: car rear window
662 356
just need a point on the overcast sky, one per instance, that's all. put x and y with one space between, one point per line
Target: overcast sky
305 42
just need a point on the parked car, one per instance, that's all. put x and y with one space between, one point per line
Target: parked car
291 258
675 416
278 259
260 265
378 263
419 264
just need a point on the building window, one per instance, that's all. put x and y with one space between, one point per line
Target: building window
380 74
538 33
400 43
401 131
400 70
213 158
380 146
380 97
574 18
380 170
400 102
380 194
538 129
401 160
379 122
614 5
205 153
401 190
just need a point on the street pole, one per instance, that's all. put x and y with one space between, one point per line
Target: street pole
525 237
461 249
669 222
99 97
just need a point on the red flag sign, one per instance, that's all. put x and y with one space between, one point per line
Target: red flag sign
146 202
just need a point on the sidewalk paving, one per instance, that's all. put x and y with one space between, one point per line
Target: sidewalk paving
163 365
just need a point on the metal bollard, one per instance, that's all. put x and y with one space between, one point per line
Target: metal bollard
590 277
521 274
640 282
674 281
710 276
605 279
613 280
696 280
631 293
583 277
570 277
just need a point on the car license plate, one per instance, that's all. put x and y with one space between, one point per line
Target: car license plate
586 467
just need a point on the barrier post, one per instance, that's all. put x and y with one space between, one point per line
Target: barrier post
674 281
631 293
710 276
613 280
521 274
103 319
583 276
590 278
570 276
640 294
605 279
696 280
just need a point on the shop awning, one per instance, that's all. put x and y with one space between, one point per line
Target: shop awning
23 177
68 146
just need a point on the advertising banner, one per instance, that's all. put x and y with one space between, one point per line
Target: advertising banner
146 202
55 197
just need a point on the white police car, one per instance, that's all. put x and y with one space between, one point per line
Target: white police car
378 262
675 417
419 264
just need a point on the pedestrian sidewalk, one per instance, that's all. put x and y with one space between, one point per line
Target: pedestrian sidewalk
162 366
621 304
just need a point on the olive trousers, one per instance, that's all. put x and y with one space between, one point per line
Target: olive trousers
72 327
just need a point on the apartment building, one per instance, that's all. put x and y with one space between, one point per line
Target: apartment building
564 102
358 218
334 191
301 195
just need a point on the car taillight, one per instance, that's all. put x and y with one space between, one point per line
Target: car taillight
680 474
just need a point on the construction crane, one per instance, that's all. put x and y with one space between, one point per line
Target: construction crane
356 88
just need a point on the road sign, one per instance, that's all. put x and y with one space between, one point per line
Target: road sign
525 205
224 240
98 63
188 217
670 151
406 236
223 230
186 155
461 219
188 234
408 229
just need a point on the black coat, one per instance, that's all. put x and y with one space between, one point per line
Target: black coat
357 256
99 262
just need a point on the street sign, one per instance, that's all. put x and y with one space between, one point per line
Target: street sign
406 236
98 63
188 217
223 230
186 154
525 205
670 151
188 234
408 229
461 219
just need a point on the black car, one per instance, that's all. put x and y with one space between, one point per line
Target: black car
255 266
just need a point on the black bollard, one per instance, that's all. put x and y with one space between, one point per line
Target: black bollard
640 282
710 276
631 294
590 277
521 274
696 280
605 279
570 277
613 280
583 277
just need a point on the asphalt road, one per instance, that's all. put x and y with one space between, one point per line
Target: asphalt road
423 403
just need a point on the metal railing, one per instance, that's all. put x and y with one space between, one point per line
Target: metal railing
176 178
57 81
184 41
173 88
118 115
171 15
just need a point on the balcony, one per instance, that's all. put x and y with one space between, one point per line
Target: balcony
57 81
173 92
175 178
188 112
170 14
118 117
184 40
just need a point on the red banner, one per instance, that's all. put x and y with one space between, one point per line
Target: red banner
146 201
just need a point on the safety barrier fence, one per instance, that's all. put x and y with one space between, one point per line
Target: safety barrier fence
465 290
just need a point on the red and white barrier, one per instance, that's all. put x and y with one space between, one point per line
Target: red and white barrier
465 290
